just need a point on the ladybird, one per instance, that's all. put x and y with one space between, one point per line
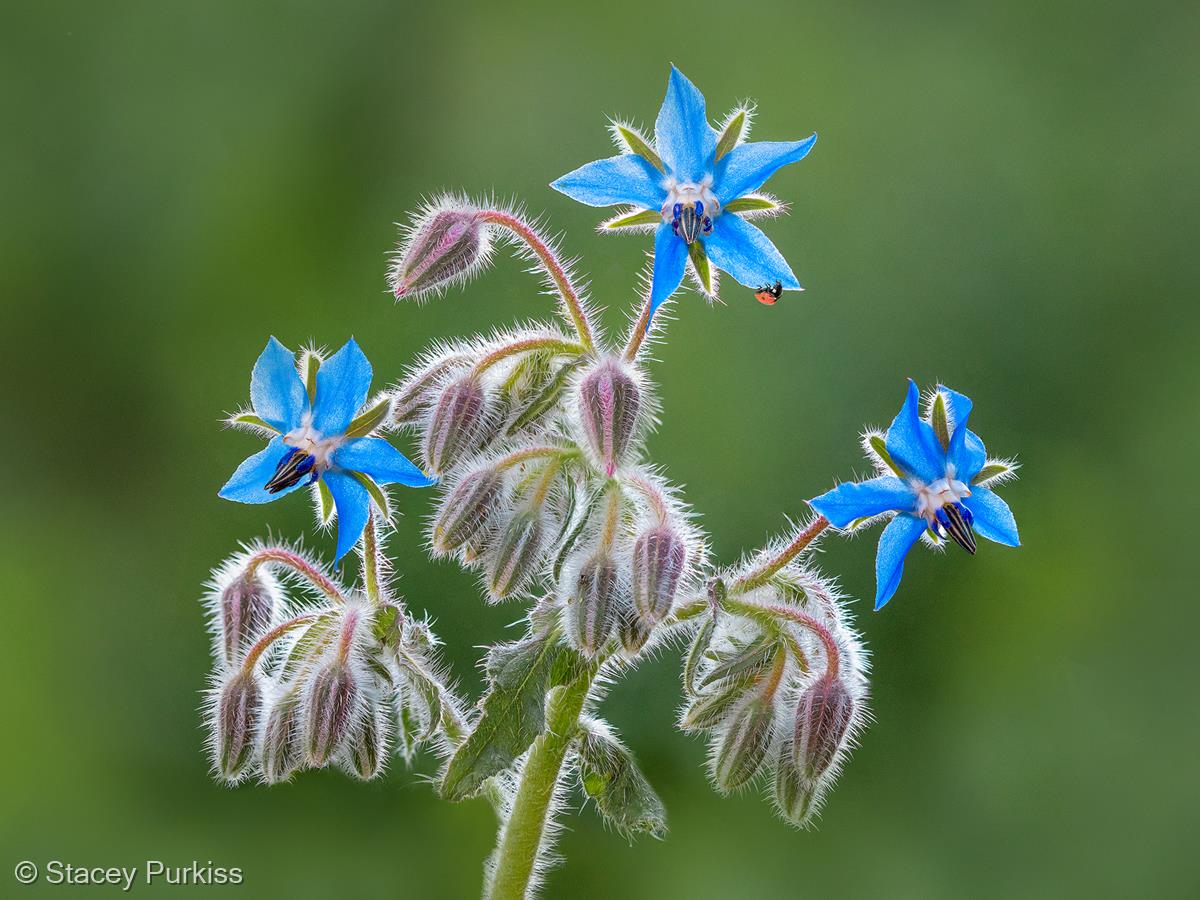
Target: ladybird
769 293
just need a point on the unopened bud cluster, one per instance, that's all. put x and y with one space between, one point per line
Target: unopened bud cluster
306 684
774 700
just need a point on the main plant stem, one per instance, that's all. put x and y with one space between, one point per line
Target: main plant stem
524 833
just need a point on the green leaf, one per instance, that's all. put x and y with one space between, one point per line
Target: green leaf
700 261
940 426
634 219
731 135
611 777
326 498
639 146
749 204
520 674
250 420
376 493
367 422
309 645
695 654
990 471
879 445
386 624
545 401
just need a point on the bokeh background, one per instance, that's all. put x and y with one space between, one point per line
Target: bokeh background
1003 197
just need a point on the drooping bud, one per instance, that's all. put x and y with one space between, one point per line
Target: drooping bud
796 796
592 604
329 707
247 610
467 510
743 747
609 403
823 717
237 712
446 246
632 630
713 707
658 558
457 424
515 560
367 749
281 751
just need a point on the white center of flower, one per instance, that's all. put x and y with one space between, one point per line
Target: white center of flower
932 497
308 440
686 194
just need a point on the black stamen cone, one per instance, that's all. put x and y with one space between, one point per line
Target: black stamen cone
954 525
294 466
689 224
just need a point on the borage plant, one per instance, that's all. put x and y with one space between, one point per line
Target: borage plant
535 437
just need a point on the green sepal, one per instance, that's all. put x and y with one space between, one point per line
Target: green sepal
990 471
749 204
634 219
310 362
879 445
250 420
751 659
611 777
700 261
325 499
513 711
572 538
546 399
695 654
638 145
711 709
377 493
941 426
367 422
309 646
386 625
731 135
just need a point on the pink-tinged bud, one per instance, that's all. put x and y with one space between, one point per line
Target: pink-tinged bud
632 630
367 749
741 750
247 609
237 711
658 558
446 246
516 559
281 751
457 424
467 510
609 403
592 604
823 717
329 709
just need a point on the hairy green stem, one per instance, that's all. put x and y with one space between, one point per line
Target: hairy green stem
521 840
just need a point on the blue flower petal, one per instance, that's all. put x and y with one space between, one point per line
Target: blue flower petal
742 250
618 179
993 519
376 457
895 542
859 500
685 141
670 260
276 391
247 485
343 382
912 443
747 167
966 450
353 505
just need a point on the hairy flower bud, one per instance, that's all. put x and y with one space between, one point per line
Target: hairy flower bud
237 712
609 403
329 706
658 557
280 743
247 606
467 510
592 604
823 717
516 558
741 750
446 246
632 630
367 748
457 424
796 796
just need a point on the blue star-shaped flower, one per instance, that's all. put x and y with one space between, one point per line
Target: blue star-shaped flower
694 186
935 485
317 439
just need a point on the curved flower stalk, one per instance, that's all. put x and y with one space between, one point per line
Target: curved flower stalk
934 474
321 434
695 187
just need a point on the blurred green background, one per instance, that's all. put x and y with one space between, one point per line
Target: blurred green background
1003 197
